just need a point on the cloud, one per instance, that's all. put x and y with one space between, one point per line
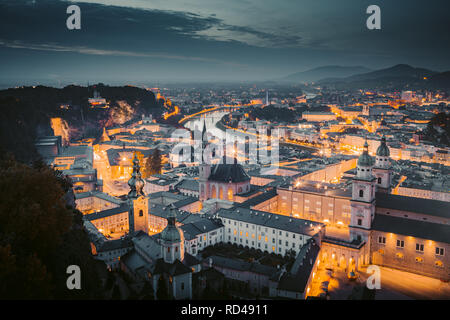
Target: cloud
208 25
95 51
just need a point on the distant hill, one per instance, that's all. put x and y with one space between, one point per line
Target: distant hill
26 112
397 71
440 80
325 72
398 76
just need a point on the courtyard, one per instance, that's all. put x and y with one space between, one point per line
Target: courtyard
334 284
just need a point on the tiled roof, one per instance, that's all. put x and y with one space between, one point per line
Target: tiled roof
414 228
173 269
411 204
107 213
224 172
241 265
271 220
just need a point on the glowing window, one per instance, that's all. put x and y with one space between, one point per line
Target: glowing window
439 264
230 194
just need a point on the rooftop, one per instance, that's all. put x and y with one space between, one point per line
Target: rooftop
414 228
411 204
271 220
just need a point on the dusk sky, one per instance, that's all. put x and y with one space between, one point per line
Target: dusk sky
145 41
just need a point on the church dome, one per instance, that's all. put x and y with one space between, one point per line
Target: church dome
224 172
383 150
171 233
365 159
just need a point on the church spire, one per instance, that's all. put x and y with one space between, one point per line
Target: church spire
105 136
204 141
136 183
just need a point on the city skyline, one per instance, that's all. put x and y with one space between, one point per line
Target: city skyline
244 151
138 41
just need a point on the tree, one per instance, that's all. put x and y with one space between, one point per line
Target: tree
40 236
116 293
162 293
142 163
147 168
153 165
438 129
147 291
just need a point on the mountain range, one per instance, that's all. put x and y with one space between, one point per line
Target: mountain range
319 73
396 76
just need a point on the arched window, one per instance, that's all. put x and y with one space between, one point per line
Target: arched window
141 213
176 249
220 193
379 180
213 192
361 193
230 194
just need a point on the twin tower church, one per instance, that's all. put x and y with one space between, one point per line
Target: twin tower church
172 242
407 233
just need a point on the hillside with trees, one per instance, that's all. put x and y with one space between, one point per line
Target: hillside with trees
438 130
41 235
26 112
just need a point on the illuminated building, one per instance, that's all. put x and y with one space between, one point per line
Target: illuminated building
223 180
407 233
268 232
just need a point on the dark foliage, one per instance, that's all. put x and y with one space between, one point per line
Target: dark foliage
438 129
162 292
40 236
26 113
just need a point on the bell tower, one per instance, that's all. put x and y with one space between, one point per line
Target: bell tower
204 168
138 212
172 239
382 169
363 197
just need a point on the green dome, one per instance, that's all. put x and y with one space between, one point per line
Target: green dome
171 233
383 150
364 159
